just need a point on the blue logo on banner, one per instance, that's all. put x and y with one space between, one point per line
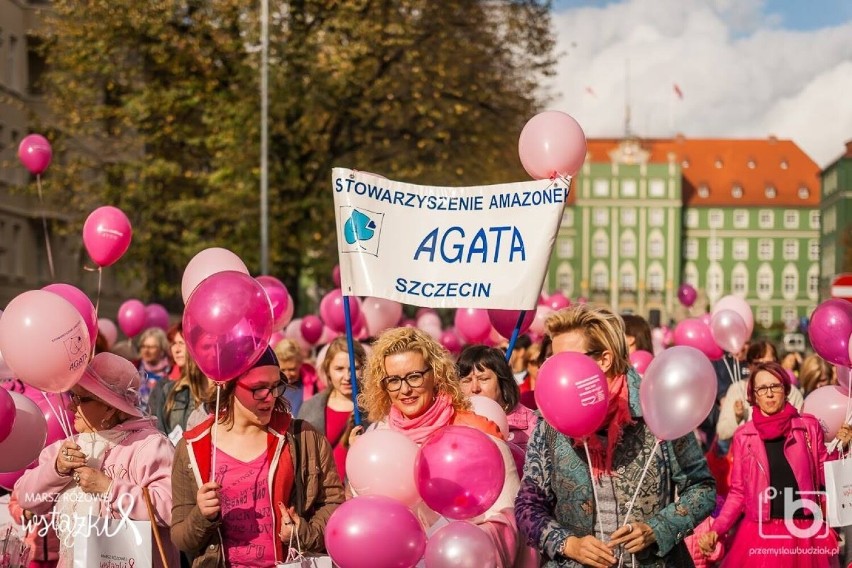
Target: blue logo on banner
362 230
359 227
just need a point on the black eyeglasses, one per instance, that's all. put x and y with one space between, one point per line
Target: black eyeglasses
765 389
593 354
263 392
77 400
413 379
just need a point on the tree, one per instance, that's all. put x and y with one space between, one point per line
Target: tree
163 98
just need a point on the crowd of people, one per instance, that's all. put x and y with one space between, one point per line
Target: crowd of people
235 473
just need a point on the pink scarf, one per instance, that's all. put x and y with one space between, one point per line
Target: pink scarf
617 417
419 429
776 425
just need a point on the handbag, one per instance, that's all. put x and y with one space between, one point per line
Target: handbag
838 491
113 542
297 559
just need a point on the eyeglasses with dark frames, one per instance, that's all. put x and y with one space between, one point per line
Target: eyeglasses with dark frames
263 392
77 400
413 379
765 389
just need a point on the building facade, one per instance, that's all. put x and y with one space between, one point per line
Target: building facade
836 213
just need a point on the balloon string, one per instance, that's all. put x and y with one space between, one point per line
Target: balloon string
215 433
67 420
638 486
594 487
97 306
57 414
44 226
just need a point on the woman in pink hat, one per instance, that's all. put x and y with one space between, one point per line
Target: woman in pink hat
102 471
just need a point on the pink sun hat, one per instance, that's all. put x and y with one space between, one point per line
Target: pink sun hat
114 380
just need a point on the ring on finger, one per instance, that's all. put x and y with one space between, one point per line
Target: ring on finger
629 527
65 452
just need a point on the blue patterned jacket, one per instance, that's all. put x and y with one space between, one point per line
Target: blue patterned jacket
556 501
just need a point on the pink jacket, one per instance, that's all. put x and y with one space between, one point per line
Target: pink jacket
805 451
698 557
143 458
522 422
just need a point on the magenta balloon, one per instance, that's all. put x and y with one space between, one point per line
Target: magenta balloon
687 295
81 303
707 318
460 544
828 404
279 299
472 324
640 360
504 321
557 301
359 532
132 317
35 153
729 330
156 316
693 333
335 275
7 414
60 405
381 462
380 314
207 263
572 394
331 310
276 338
677 392
227 324
108 330
451 341
829 330
107 235
8 480
44 341
26 440
552 144
738 305
311 329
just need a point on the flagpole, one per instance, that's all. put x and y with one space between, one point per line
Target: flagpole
515 333
350 345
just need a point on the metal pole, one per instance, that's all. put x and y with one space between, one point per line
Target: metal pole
264 136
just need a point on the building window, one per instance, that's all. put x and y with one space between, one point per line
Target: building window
828 255
791 319
737 191
628 216
600 188
739 280
815 219
565 279
656 217
790 282
627 279
628 188
692 219
764 282
740 249
764 316
791 249
715 281
656 244
829 224
740 218
770 192
703 191
791 219
568 217
600 278
714 249
766 219
813 282
628 244
657 188
690 249
601 216
804 192
600 245
715 218
565 248
655 279
813 249
690 275
765 249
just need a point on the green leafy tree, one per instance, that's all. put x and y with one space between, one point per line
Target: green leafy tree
161 101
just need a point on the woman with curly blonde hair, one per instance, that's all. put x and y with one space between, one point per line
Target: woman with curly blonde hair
412 387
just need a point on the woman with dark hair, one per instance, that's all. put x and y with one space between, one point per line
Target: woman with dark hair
638 333
274 476
778 462
484 371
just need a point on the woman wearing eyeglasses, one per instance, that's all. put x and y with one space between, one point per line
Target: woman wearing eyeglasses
274 478
412 387
776 481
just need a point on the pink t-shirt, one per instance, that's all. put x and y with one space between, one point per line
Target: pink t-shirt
247 520
335 425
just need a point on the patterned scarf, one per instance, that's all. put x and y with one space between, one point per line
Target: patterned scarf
617 417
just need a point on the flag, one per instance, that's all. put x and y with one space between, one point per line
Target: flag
677 91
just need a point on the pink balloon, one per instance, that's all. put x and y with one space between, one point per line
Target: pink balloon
156 316
335 275
729 330
694 333
132 317
459 472
60 405
206 263
276 338
557 301
541 315
331 310
227 324
552 144
359 531
279 299
572 394
381 462
44 341
738 305
408 322
687 295
829 331
293 331
490 409
26 440
107 235
380 314
677 392
460 544
81 303
8 480
35 153
640 360
828 404
430 322
108 330
472 324
707 318
5 371
7 414
504 321
311 328
844 376
582 300
451 342
329 335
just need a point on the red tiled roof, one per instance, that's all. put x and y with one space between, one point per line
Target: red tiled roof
721 164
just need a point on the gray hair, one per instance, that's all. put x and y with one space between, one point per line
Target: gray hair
157 334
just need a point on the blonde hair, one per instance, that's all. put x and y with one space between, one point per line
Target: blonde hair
339 345
287 349
375 398
813 369
603 330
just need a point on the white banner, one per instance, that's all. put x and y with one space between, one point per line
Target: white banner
445 247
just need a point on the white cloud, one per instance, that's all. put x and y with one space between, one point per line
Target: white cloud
741 75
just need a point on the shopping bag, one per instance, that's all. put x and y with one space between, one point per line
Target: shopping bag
297 559
113 542
838 492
